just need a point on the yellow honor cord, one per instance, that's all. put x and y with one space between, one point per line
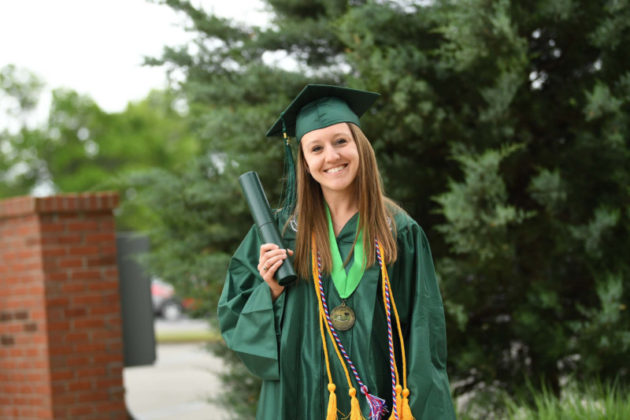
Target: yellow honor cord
331 412
354 403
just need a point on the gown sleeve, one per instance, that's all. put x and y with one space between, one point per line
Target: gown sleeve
248 318
425 331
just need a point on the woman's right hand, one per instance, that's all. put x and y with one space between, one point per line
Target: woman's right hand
271 258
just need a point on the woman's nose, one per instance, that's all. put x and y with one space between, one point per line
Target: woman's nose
331 154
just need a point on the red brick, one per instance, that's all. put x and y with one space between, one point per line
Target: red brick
94 397
89 323
108 237
62 402
62 375
76 336
82 385
56 276
73 287
108 224
7 364
69 239
60 350
86 274
88 300
107 358
104 285
70 262
58 325
35 376
33 352
80 360
84 250
101 260
103 310
75 312
85 226
52 228
58 301
54 251
96 371
108 382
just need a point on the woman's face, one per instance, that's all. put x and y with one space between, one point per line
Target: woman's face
332 158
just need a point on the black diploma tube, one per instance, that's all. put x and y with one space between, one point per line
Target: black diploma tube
261 212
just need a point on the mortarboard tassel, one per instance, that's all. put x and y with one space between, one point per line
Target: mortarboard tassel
288 203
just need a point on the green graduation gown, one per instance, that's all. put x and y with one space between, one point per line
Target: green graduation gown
281 343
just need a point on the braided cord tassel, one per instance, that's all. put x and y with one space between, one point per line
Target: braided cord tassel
390 339
401 395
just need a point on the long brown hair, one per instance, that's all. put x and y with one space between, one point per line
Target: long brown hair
376 210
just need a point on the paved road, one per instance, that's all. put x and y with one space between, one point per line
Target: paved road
178 385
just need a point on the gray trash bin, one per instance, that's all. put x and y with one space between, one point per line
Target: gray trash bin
135 299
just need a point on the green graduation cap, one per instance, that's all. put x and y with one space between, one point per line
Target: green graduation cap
319 106
315 107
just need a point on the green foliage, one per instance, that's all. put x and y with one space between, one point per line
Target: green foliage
503 129
82 148
593 402
548 190
599 337
476 210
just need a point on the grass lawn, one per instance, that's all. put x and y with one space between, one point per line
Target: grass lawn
173 337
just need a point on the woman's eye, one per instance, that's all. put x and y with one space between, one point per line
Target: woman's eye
341 141
316 149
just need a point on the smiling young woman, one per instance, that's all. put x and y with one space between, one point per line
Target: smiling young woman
361 333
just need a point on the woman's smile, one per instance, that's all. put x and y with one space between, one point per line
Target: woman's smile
336 169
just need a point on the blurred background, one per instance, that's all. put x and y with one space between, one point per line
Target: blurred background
503 129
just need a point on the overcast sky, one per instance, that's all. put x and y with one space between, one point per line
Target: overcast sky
96 46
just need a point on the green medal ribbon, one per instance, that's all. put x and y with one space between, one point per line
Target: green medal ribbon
345 283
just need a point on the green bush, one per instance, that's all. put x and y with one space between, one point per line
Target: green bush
594 401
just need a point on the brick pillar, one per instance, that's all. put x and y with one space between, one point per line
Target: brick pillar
61 353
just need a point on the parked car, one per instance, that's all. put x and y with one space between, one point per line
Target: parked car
166 304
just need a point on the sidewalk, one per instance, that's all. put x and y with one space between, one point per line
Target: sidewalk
178 385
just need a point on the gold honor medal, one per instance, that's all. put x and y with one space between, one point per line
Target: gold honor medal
342 317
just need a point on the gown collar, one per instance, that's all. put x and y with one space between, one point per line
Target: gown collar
349 231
